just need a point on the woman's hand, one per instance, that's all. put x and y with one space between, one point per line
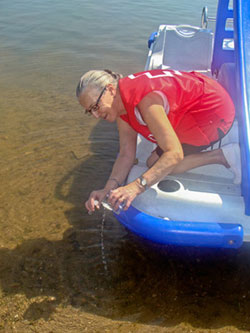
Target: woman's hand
124 195
98 195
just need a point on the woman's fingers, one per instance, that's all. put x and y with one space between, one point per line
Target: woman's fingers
119 203
115 198
127 203
93 202
122 197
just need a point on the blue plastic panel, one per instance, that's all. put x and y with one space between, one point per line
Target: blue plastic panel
205 234
221 56
242 57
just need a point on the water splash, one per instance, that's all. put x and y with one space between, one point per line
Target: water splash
106 207
104 260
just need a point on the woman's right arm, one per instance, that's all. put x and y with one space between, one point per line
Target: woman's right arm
121 167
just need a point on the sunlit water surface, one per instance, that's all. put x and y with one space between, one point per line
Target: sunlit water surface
61 269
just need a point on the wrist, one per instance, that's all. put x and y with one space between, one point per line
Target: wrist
112 184
143 183
140 188
114 180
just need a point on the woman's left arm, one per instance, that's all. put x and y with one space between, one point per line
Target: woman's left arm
154 115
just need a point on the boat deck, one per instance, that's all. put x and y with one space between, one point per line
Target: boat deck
201 207
200 195
205 194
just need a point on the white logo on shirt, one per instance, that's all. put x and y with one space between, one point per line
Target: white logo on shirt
150 76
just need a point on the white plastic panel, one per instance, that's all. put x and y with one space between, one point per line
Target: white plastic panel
181 47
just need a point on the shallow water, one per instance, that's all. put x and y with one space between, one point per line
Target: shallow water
52 272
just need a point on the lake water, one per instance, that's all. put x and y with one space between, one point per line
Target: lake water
52 272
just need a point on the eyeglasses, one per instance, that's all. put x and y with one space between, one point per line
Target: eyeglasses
95 107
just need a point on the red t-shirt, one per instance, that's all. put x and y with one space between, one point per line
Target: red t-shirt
198 105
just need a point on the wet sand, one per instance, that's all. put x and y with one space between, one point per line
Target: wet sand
52 275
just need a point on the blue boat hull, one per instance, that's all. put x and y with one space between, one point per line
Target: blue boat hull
200 234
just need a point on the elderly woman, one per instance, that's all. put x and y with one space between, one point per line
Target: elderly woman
184 113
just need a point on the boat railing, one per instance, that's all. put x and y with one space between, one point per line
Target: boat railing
205 18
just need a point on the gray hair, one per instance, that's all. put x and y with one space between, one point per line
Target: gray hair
97 79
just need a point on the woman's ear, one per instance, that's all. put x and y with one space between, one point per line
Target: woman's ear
111 89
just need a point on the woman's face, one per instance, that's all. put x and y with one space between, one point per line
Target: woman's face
100 104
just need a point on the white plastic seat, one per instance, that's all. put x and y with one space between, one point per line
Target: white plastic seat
182 47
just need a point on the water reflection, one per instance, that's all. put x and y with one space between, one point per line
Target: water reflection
160 288
209 291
